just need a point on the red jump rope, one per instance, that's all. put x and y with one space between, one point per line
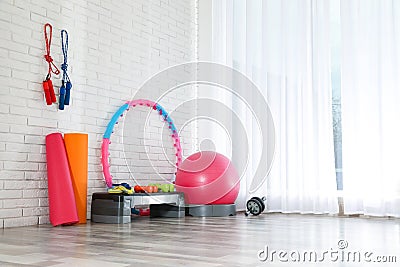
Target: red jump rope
47 83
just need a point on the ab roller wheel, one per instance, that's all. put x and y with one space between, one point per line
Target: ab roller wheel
255 206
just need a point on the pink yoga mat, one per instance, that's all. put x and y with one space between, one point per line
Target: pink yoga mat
62 204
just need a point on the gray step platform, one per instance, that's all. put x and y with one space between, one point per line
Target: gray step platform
166 211
111 208
116 208
211 210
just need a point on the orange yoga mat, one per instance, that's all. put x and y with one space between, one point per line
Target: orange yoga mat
76 145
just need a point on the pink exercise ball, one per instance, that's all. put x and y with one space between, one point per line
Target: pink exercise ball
207 177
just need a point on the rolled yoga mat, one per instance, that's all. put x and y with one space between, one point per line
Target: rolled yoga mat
76 145
62 204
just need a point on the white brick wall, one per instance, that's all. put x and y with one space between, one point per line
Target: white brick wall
114 46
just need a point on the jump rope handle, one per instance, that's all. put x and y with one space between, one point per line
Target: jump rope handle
62 97
47 92
68 87
51 90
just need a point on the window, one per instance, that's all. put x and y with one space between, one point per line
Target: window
336 89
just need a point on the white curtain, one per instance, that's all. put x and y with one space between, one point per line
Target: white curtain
283 46
371 106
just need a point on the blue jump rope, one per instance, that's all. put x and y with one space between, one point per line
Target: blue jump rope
66 85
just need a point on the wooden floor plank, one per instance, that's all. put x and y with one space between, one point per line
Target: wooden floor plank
196 242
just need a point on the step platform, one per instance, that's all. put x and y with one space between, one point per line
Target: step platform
166 211
111 208
116 208
221 210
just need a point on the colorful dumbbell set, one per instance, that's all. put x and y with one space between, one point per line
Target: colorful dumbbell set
125 188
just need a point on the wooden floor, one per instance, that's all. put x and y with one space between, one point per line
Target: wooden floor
230 241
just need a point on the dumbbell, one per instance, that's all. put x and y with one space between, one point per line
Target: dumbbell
145 189
165 188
